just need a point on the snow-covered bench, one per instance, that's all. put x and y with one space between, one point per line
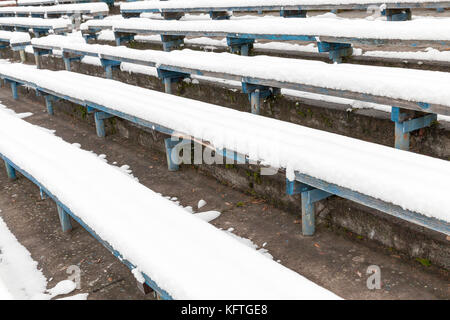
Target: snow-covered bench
39 26
220 9
95 9
195 260
318 164
46 2
416 96
15 40
335 36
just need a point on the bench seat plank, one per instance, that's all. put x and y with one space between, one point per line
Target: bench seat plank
413 89
185 256
414 182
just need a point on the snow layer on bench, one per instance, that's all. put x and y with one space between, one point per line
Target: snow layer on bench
184 255
418 29
19 274
397 83
93 7
253 3
35 22
412 181
14 36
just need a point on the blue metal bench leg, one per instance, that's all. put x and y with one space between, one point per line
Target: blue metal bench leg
336 51
407 121
64 219
310 195
67 63
172 155
308 209
10 171
255 101
14 90
49 104
170 77
401 138
100 122
108 65
168 85
308 215
241 45
256 93
108 72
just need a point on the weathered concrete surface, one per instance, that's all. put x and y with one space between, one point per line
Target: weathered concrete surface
337 261
368 125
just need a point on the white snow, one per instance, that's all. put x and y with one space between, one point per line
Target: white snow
14 36
182 4
421 86
79 296
207 216
136 216
7 3
93 7
20 277
201 203
62 287
418 29
347 162
35 22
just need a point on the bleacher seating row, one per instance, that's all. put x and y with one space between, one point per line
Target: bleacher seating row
39 26
130 220
409 92
316 162
335 36
394 10
95 9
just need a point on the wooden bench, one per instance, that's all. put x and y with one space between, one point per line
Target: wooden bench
39 26
318 164
167 249
219 9
335 36
95 9
407 91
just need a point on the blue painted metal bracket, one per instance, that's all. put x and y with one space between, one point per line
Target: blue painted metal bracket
99 117
389 208
256 93
309 211
219 15
49 99
407 121
171 42
64 219
397 14
14 85
161 292
128 15
336 51
68 60
293 13
172 152
296 187
38 32
172 15
38 52
42 194
122 37
109 65
310 195
10 171
169 77
240 45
